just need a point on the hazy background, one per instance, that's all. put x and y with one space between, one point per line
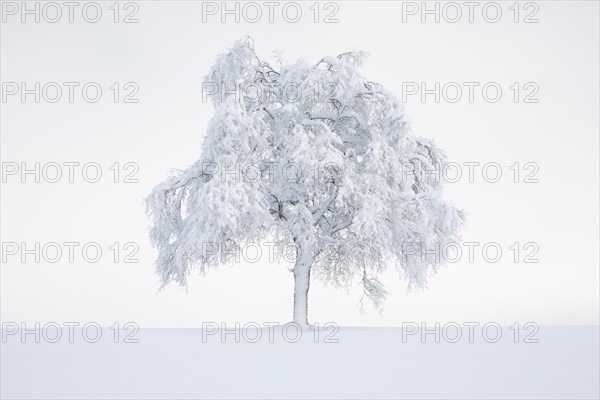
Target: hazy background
167 54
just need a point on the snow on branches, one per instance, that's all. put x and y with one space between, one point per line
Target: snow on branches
314 155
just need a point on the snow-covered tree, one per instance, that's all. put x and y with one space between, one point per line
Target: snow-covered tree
311 155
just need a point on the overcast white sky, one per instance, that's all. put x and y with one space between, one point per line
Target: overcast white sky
168 52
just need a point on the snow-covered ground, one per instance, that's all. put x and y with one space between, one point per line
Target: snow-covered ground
364 363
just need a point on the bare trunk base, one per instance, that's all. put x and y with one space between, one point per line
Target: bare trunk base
301 285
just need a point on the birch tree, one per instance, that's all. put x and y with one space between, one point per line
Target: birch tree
311 155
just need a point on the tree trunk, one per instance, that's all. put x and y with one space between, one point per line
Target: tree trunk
301 285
